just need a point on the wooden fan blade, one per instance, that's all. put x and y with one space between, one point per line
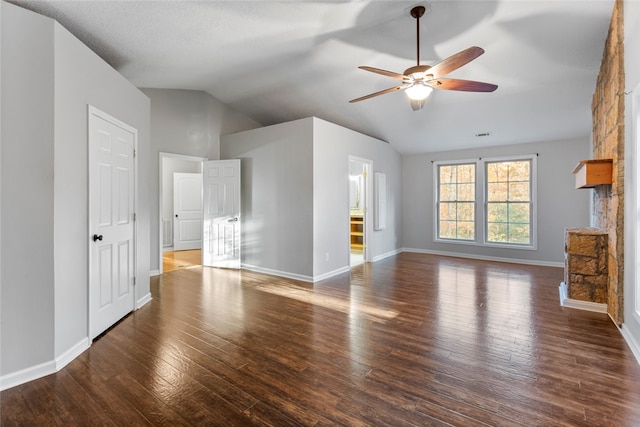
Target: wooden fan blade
465 85
383 72
382 92
455 61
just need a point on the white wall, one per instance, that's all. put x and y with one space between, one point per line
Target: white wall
560 205
277 196
333 145
48 78
296 195
27 190
81 78
1 181
631 327
190 123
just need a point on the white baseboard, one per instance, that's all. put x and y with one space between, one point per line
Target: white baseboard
47 368
386 255
142 301
295 276
28 374
331 274
277 273
154 273
631 341
75 351
578 304
486 258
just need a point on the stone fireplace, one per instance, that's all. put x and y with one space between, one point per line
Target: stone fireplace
586 265
607 109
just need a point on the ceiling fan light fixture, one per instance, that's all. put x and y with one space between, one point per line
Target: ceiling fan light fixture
419 80
417 104
418 91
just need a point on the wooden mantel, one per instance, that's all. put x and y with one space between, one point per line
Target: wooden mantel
590 173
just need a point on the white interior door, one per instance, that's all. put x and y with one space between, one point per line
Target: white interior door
221 213
187 211
111 220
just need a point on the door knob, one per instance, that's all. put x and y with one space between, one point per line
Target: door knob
234 219
97 237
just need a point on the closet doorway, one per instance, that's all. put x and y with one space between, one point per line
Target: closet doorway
359 211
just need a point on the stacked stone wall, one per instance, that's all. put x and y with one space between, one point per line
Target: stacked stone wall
608 143
586 264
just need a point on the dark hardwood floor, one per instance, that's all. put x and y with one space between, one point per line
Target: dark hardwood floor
413 340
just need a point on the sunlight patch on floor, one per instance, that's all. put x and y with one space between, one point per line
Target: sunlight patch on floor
332 303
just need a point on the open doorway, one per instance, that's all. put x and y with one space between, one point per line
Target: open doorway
170 165
359 210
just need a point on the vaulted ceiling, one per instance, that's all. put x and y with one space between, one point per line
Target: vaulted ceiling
285 60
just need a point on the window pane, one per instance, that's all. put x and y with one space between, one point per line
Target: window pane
519 213
519 191
448 192
497 233
520 170
502 171
509 200
497 192
447 174
447 230
492 172
466 192
519 233
466 230
466 173
456 201
448 211
465 212
497 212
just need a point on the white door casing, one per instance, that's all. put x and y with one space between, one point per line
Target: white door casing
187 211
111 220
366 204
221 214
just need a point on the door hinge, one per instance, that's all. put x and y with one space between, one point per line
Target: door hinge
134 153
134 280
134 217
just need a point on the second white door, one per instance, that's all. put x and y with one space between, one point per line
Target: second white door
187 211
221 219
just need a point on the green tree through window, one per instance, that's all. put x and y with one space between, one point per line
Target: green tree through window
508 215
456 201
504 187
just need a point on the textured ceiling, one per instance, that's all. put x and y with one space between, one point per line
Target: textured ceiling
280 61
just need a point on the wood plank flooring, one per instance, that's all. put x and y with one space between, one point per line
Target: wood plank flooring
174 260
413 340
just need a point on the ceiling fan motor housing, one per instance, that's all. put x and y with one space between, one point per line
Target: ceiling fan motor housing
417 69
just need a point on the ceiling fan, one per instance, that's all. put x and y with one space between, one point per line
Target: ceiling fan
418 81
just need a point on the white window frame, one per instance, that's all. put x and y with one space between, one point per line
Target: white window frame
533 244
436 204
482 202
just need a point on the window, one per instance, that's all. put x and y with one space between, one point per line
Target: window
486 201
508 201
456 201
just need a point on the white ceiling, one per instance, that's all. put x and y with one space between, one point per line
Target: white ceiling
280 61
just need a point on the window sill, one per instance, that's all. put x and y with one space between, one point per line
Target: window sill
487 244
